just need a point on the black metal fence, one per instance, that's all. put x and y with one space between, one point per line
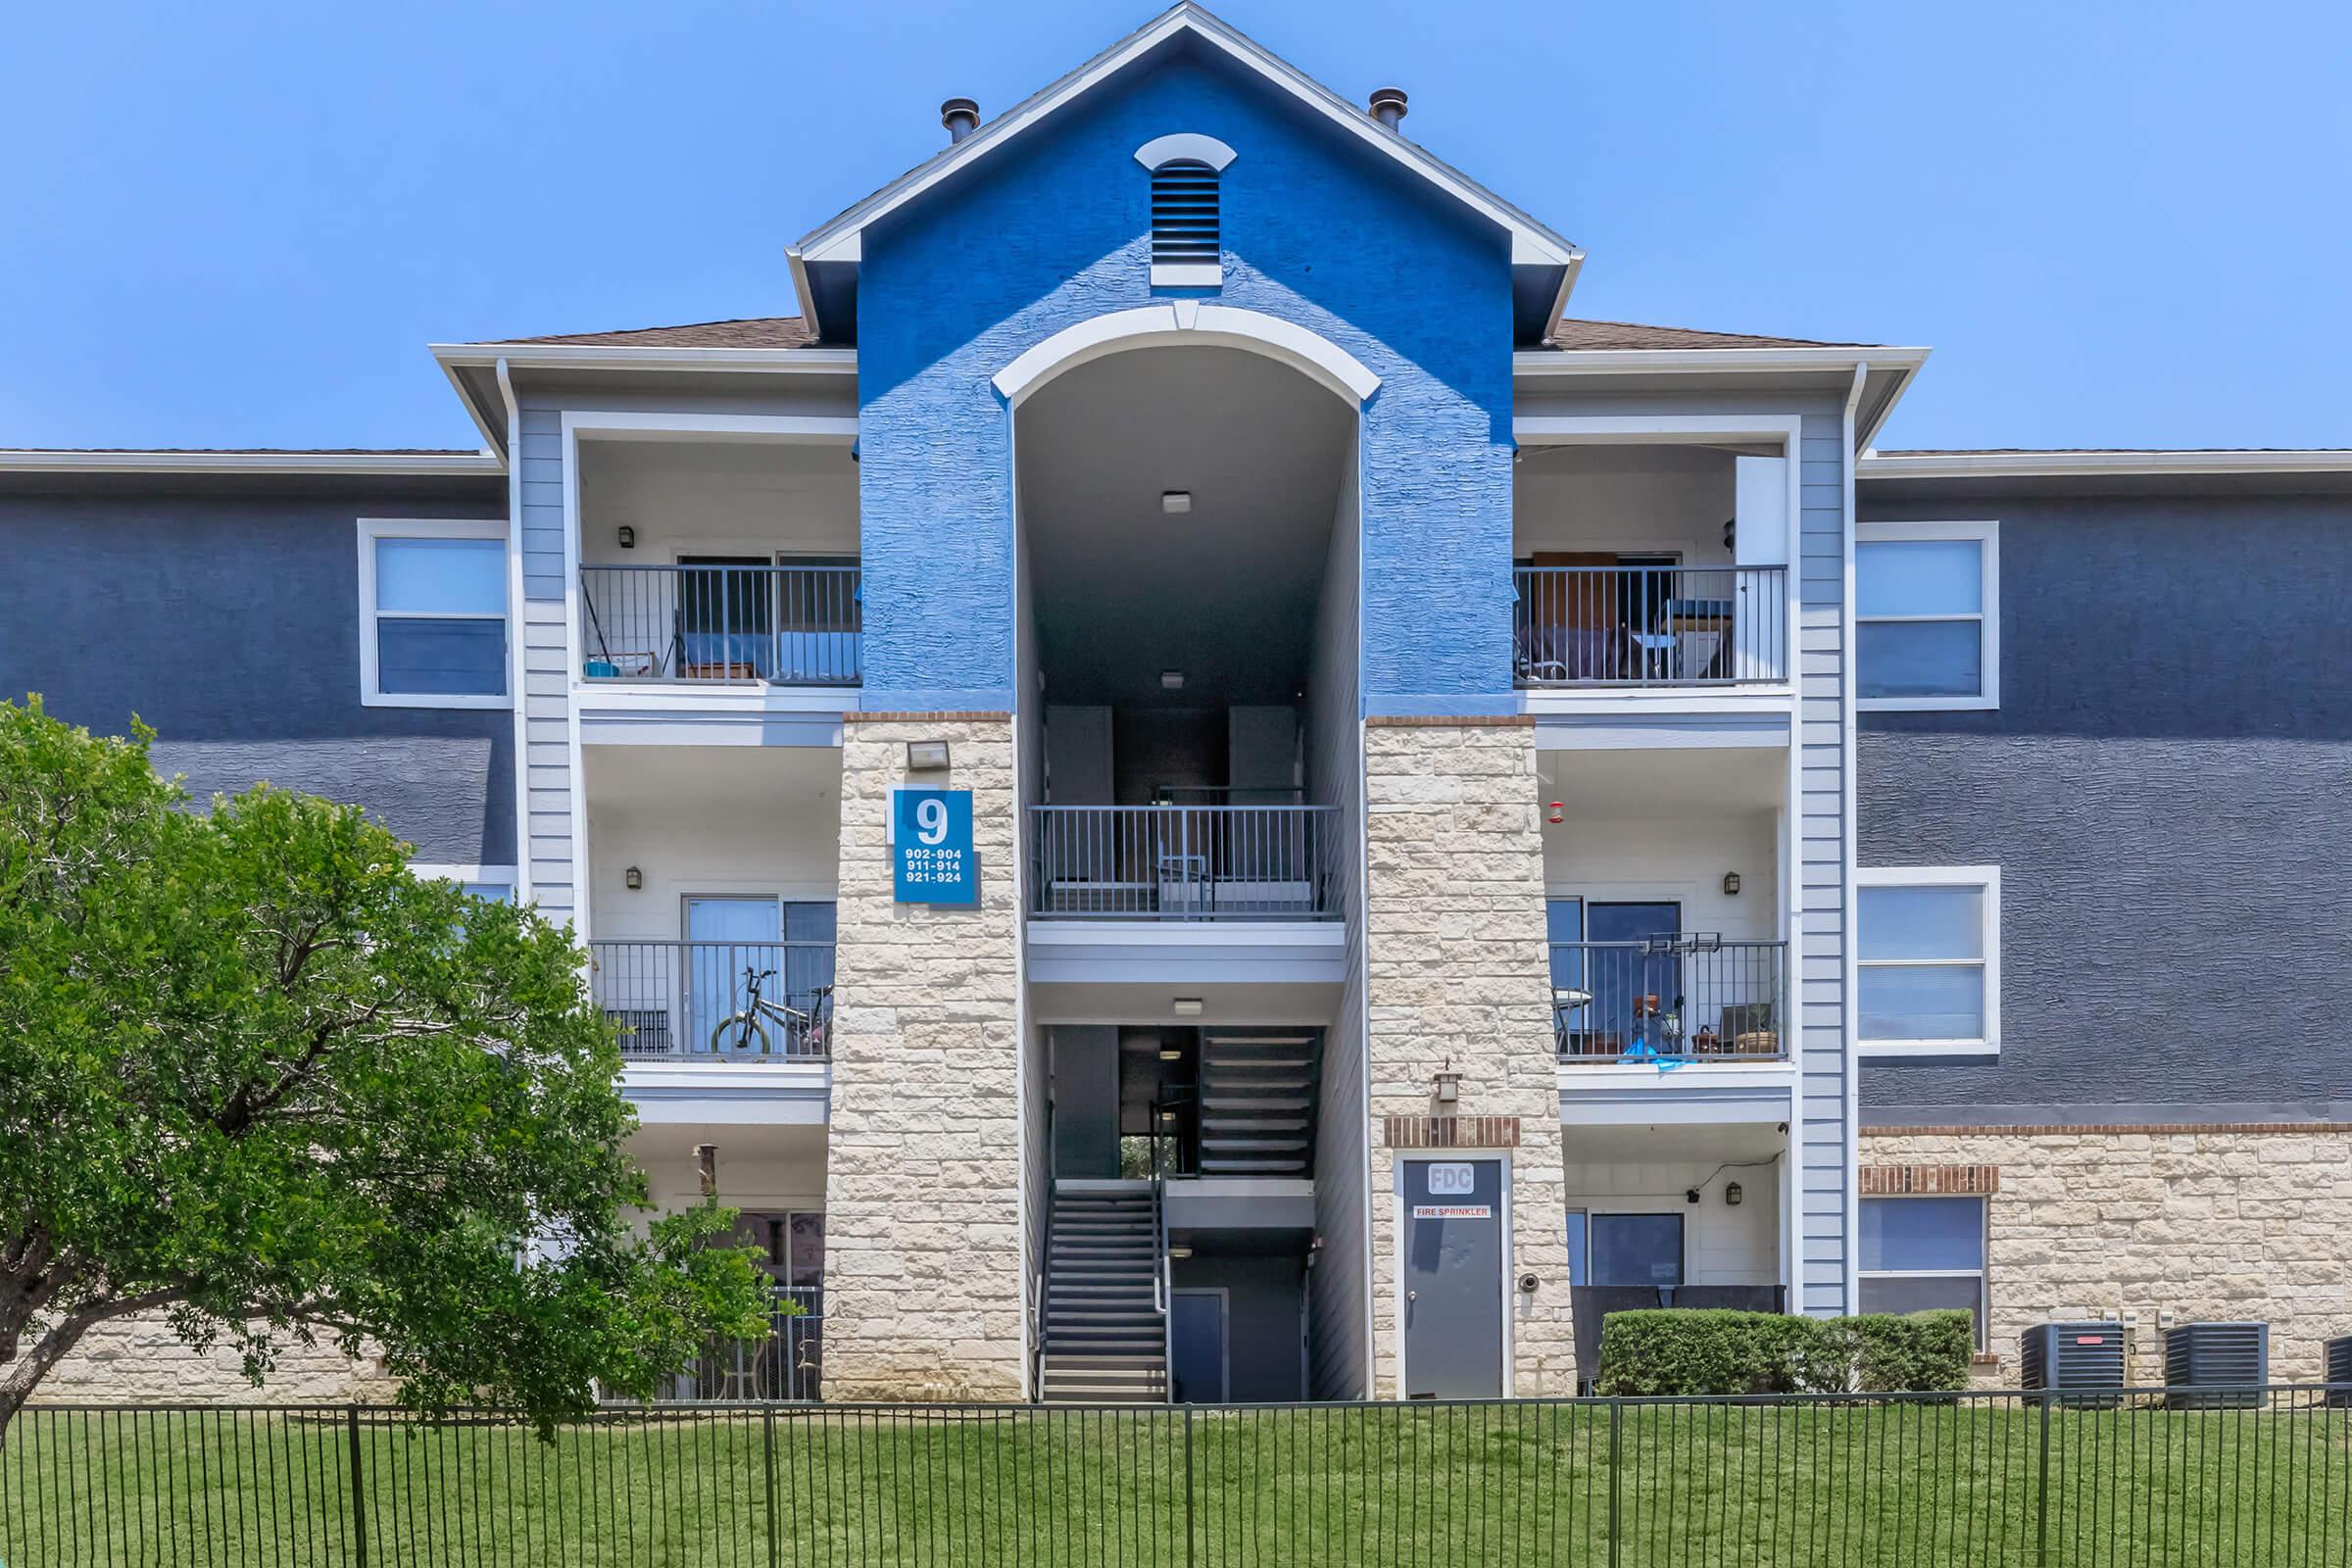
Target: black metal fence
1973 1481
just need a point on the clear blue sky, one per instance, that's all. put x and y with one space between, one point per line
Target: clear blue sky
2116 223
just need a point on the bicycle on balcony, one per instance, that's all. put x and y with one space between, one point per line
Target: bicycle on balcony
745 1032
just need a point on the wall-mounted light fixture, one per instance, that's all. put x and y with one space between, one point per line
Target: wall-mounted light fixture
1445 1087
1171 680
1732 1193
1180 1252
1171 1053
634 878
1174 502
628 536
1188 1007
1731 884
926 756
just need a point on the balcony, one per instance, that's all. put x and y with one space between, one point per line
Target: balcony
1669 1001
781 625
1646 627
1183 863
694 1001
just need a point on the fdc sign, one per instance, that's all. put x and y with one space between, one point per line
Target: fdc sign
931 845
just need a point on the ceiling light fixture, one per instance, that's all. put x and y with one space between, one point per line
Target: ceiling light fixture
1175 501
1188 1007
1171 680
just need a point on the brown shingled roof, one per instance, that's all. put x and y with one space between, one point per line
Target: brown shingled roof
1589 336
742 333
792 332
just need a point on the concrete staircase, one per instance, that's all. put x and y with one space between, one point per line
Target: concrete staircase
1105 1342
1257 1090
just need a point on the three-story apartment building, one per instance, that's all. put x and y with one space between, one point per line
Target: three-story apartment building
1303 823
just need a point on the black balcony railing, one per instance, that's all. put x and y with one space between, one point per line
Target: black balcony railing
1182 862
1650 626
694 998
1671 999
787 625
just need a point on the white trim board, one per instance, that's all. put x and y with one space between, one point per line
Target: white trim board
1876 464
1188 323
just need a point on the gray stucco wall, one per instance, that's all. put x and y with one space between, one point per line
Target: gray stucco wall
2167 788
230 623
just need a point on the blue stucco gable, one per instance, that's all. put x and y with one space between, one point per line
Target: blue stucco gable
1054 230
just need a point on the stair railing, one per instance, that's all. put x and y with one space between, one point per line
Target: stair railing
1039 1275
1160 1286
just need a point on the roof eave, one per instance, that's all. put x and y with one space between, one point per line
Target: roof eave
379 464
1762 360
617 356
2061 465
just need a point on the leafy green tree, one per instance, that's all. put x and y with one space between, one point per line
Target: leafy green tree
258 1077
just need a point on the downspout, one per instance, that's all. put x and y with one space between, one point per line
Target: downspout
522 774
1849 963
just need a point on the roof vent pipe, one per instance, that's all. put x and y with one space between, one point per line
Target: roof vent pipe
1388 105
961 117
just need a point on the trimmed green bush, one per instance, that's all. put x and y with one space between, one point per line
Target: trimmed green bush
1687 1352
1917 1351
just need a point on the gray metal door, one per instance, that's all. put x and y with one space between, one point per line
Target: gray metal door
1453 1278
1199 1370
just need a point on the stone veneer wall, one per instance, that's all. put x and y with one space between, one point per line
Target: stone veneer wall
923 1166
2247 1221
139 1360
1458 973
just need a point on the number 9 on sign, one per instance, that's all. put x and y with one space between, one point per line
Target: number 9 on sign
931 819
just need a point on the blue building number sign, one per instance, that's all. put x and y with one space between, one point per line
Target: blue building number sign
931 845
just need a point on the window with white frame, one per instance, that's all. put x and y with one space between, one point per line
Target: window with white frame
432 613
1922 1253
1926 615
1927 950
493 882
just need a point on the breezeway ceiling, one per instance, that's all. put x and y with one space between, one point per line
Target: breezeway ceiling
1226 593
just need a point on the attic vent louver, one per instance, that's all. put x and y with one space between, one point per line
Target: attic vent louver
1185 245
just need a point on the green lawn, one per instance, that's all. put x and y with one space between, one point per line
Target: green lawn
1510 1484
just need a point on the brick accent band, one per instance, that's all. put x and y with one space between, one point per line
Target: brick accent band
1930 1181
1450 1132
858 717
1450 721
2303 1129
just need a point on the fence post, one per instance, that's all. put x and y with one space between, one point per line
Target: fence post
1188 1484
2041 1503
1616 1424
768 1453
359 1487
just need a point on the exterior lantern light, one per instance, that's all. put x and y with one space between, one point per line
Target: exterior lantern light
628 537
1731 884
634 878
926 756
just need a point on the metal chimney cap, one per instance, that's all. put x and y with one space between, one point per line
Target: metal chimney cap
961 117
1388 105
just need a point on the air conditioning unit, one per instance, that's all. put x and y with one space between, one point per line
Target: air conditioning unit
2232 1359
2084 1360
2339 1373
